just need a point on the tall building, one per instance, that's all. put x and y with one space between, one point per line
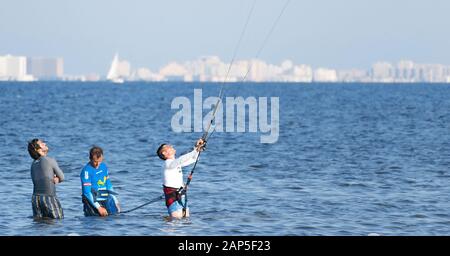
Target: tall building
14 68
124 69
258 71
405 71
434 73
382 72
45 68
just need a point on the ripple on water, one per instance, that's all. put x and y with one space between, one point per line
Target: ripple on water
258 166
419 216
386 205
353 184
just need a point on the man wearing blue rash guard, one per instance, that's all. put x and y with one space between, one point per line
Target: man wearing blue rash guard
98 194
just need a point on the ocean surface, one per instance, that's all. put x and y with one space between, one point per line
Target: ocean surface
351 159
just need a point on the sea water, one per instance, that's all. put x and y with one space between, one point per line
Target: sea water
351 159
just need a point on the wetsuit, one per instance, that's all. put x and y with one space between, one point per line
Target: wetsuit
97 190
44 200
173 180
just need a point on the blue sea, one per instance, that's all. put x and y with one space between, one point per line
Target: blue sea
351 159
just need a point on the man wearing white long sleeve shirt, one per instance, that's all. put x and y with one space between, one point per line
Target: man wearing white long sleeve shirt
173 176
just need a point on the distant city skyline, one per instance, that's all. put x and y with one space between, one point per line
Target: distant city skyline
335 34
213 69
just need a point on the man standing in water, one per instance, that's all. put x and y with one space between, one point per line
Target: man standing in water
45 173
173 177
98 194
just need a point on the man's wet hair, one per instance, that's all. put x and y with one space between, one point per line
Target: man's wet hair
96 152
33 147
159 151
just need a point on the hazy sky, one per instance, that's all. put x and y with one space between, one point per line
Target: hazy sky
329 33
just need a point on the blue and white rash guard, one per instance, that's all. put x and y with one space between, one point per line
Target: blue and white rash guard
95 184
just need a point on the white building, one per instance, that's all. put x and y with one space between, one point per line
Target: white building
447 74
302 73
353 75
214 69
45 68
287 65
258 71
145 74
239 69
382 72
325 75
433 73
124 69
173 72
14 68
405 72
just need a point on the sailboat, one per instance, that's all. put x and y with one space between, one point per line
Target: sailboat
113 74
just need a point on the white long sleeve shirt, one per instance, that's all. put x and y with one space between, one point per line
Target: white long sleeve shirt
173 174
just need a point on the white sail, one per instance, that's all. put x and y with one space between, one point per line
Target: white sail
113 69
113 74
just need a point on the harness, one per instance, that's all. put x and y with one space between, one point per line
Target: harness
173 195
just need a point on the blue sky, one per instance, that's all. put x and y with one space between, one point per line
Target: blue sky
335 34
